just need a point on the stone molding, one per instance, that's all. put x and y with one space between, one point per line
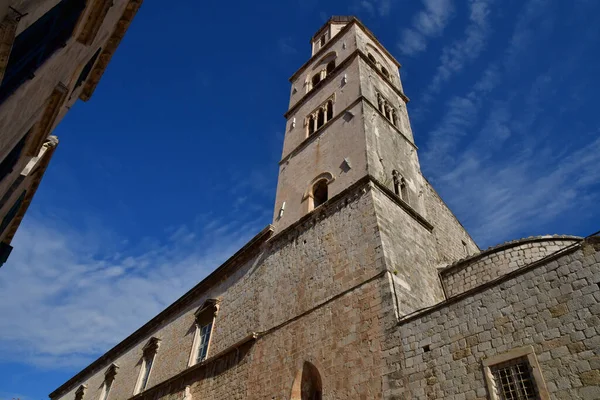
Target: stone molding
109 49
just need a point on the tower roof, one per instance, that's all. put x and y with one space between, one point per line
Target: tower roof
334 19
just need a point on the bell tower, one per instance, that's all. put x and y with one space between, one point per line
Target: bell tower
348 131
346 120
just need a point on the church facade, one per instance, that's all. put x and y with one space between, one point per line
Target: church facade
366 286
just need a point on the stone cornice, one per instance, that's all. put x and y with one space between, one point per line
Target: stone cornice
217 275
109 49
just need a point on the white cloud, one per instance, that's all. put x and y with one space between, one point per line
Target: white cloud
62 305
374 8
427 23
459 53
499 156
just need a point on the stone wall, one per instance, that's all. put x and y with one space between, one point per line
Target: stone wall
326 271
553 307
500 260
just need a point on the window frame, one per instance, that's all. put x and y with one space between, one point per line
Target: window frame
527 353
149 356
109 378
210 308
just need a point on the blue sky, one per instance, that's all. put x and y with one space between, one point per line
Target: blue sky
172 165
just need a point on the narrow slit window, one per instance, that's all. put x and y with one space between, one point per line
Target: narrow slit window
379 102
394 118
323 40
329 110
319 193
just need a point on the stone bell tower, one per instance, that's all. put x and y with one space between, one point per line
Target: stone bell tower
347 124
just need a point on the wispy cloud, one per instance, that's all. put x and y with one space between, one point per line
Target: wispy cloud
374 8
285 46
461 52
58 284
428 23
495 155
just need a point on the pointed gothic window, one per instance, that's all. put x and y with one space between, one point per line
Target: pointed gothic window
330 66
320 118
311 125
329 110
319 193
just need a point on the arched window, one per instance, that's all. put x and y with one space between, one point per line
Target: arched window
329 110
319 193
316 79
387 112
372 59
394 118
311 125
385 72
330 66
307 384
320 118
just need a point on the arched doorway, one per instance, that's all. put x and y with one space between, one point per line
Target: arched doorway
307 384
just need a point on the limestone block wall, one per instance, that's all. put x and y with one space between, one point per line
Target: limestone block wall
449 232
553 307
291 284
500 260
